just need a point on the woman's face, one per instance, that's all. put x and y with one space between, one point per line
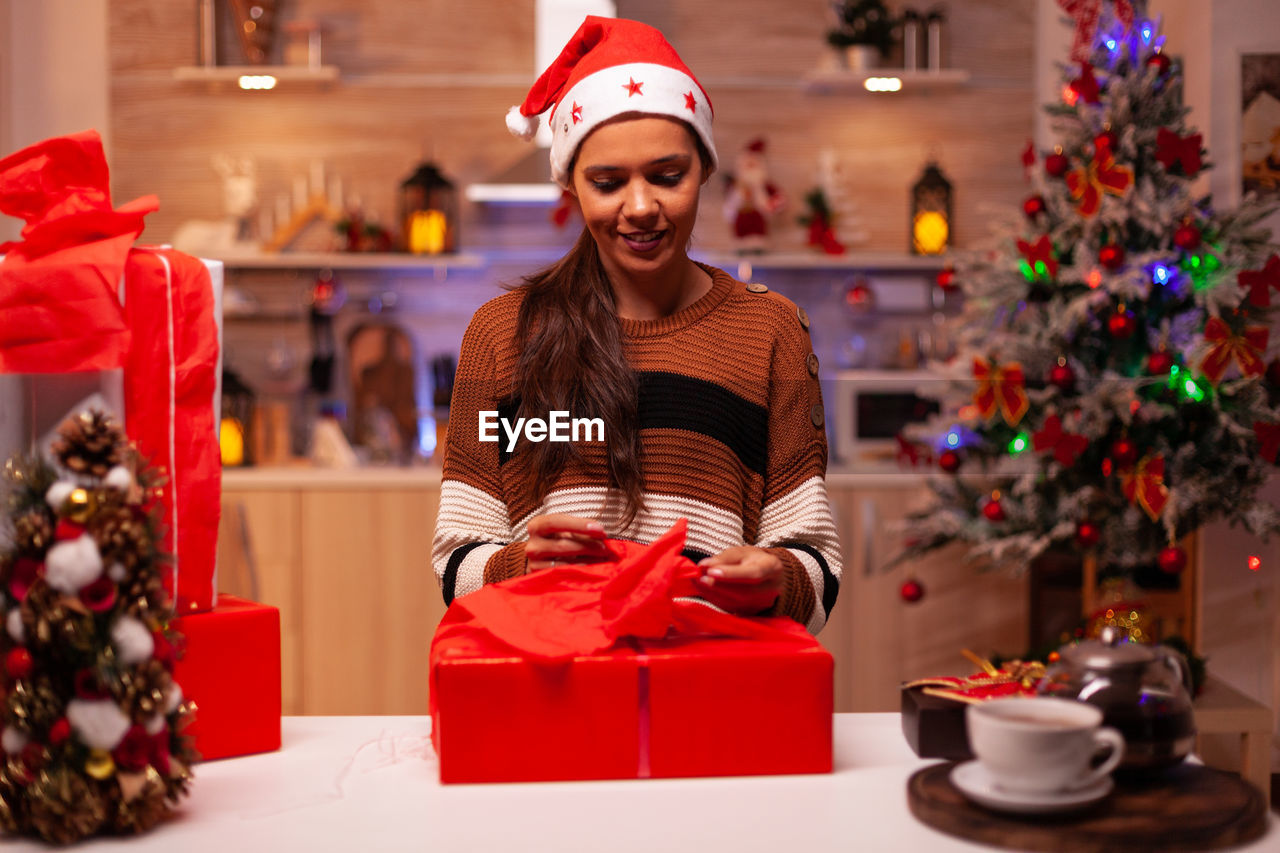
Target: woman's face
637 181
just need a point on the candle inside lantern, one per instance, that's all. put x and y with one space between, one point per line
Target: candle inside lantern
231 442
428 232
929 232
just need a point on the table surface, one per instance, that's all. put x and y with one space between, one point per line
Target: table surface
370 783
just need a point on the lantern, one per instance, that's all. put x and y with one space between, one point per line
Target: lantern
236 421
931 212
428 212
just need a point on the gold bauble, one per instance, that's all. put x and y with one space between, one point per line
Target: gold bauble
100 765
79 505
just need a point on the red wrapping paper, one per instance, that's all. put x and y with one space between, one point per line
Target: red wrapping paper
230 668
602 671
63 309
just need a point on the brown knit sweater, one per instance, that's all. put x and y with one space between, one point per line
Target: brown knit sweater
732 438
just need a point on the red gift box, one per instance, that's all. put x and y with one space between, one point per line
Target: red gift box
231 670
74 297
509 705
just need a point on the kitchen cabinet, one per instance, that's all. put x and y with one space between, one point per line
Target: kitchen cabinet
345 555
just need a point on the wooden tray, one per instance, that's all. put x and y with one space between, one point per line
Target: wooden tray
1191 807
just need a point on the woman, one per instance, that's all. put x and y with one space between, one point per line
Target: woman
706 388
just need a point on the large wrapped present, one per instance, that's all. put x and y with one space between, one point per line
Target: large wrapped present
86 320
230 669
615 671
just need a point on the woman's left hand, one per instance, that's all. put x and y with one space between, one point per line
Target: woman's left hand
743 579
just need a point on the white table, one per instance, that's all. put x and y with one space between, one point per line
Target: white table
370 784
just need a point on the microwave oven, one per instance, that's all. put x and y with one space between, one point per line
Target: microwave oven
869 408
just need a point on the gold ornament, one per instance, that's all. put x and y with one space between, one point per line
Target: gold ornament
100 765
79 505
1118 611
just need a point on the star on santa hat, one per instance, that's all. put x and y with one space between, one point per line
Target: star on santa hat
576 112
632 87
690 102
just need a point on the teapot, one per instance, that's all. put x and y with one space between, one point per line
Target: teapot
1143 690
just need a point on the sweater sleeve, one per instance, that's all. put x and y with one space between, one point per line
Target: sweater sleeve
796 523
473 543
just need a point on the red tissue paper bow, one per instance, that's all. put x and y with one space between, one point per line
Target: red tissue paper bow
1144 485
1245 349
1040 250
1085 13
1086 85
1000 388
1261 281
1066 446
1172 148
59 307
1102 175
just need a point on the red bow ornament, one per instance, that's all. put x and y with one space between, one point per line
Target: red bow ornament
1086 85
1245 349
1041 250
1000 388
1101 175
1085 13
1261 281
1268 439
1185 150
1066 446
1144 485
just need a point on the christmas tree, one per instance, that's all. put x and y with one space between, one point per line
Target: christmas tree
92 718
1112 393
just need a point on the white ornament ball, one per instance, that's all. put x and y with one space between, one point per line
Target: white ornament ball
98 722
59 492
155 724
12 740
118 477
70 566
117 572
174 699
133 642
13 624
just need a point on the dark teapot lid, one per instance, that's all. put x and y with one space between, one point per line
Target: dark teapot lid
1109 651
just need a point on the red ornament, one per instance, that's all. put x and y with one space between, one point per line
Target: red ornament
18 663
24 574
1124 452
1033 206
59 732
949 461
911 591
1159 61
1107 139
99 596
1063 376
33 755
1088 534
1122 324
1172 560
134 750
992 510
1111 256
1056 165
1187 238
68 529
1159 363
860 298
947 278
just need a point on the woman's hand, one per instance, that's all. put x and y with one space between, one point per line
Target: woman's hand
556 538
743 579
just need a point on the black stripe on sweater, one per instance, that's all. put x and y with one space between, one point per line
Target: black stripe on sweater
830 585
673 401
451 568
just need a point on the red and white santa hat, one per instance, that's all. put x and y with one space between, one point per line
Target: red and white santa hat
611 66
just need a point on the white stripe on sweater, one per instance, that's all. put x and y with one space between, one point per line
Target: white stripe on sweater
467 515
804 515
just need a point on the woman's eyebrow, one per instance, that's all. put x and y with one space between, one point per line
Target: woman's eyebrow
670 158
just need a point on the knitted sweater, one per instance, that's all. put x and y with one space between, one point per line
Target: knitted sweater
732 439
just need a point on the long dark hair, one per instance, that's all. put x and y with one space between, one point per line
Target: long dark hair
571 359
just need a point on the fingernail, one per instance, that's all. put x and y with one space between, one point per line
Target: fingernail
595 527
716 573
706 581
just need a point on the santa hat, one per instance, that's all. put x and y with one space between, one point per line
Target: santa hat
611 66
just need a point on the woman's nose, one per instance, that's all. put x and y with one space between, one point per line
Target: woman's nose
640 202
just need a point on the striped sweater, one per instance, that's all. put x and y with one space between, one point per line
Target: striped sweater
732 439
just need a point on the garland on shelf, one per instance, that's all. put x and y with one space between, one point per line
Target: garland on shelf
92 719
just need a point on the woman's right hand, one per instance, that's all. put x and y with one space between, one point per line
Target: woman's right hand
556 539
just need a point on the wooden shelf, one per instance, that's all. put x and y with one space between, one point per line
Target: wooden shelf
352 261
286 75
845 82
884 261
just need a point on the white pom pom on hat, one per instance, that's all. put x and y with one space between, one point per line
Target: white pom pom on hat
609 67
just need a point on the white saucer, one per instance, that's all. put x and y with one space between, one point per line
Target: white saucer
972 779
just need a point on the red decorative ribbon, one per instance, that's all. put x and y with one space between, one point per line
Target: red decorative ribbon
1268 439
1144 485
1040 250
1086 13
1245 349
1086 85
1261 281
1101 175
1000 388
1172 148
1066 446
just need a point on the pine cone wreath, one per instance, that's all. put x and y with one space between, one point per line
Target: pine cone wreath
63 807
33 532
121 536
91 443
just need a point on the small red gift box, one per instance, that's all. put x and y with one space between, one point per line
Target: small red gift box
231 670
692 704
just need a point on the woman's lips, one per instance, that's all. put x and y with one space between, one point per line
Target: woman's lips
642 241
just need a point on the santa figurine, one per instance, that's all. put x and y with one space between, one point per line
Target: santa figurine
750 199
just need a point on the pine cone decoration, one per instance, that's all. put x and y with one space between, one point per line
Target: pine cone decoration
90 444
63 807
33 705
33 533
46 620
143 689
121 537
144 808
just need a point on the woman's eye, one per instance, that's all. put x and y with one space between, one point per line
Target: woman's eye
605 186
669 179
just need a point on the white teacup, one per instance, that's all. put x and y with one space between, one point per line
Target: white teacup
1039 744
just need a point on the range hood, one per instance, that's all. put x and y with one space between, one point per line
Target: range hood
529 180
